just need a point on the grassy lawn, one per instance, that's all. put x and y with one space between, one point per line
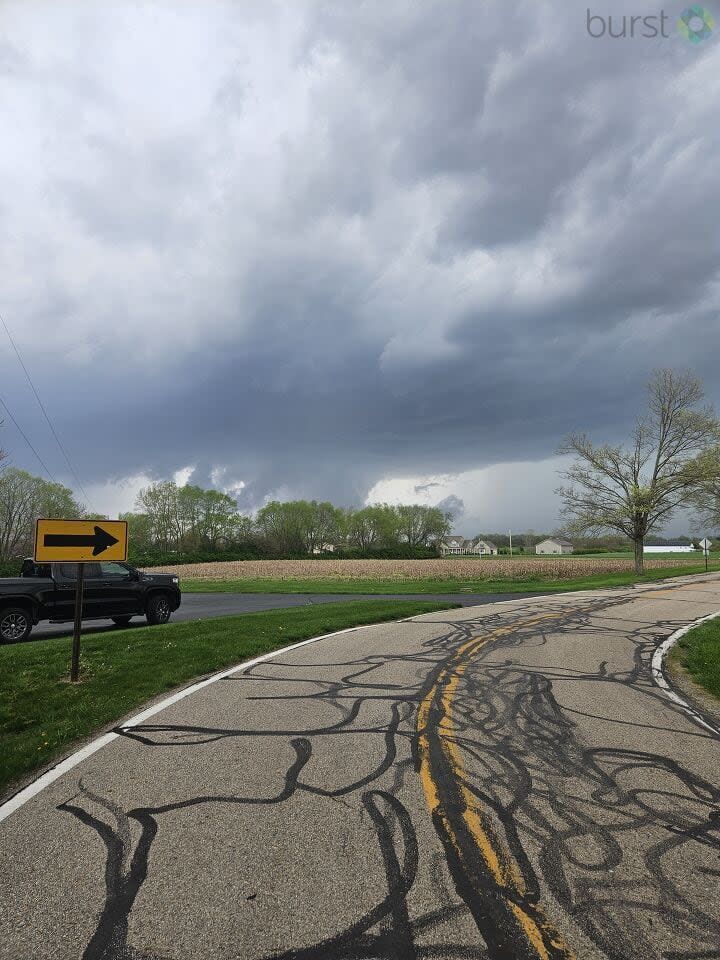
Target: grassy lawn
530 584
41 714
699 652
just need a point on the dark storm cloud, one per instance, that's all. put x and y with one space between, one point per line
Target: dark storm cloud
334 243
453 505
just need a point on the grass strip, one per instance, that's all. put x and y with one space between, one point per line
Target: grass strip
366 585
699 652
42 714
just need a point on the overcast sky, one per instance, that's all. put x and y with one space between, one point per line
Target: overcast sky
349 250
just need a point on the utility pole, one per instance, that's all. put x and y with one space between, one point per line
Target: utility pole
510 532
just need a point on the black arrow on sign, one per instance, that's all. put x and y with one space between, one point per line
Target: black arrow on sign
99 541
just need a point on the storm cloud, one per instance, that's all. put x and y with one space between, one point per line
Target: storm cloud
318 249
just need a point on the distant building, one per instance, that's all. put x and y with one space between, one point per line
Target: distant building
677 547
456 545
553 546
325 548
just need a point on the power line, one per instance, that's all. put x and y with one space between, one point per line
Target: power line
24 436
45 414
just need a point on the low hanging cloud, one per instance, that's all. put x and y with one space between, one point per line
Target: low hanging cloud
452 505
310 247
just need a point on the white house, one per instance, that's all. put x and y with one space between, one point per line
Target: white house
668 548
325 548
456 545
553 545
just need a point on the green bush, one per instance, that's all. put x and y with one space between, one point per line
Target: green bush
10 568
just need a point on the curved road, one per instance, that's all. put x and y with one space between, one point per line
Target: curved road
494 782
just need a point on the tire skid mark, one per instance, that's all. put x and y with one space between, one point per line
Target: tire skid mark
487 876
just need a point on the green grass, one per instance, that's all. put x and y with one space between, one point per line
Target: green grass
699 652
41 713
529 584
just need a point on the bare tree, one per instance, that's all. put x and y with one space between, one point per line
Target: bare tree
707 500
636 489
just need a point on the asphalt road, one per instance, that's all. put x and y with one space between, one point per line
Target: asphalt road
201 606
495 782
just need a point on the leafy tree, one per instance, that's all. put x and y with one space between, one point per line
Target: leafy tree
186 518
636 489
325 524
282 525
23 499
374 526
159 503
140 530
219 520
419 525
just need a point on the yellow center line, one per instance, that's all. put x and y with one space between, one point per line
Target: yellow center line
502 866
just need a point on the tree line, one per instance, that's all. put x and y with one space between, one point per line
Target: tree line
192 519
632 491
172 519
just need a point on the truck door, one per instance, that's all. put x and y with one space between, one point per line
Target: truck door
65 576
119 590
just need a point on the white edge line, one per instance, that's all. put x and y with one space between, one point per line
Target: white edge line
658 672
50 776
54 773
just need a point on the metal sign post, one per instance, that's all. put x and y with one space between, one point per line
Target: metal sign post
706 544
79 589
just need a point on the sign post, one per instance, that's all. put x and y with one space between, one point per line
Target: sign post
706 544
79 589
79 542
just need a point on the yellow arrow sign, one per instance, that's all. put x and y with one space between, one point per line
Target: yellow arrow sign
78 541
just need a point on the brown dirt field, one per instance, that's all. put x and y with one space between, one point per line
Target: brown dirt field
470 568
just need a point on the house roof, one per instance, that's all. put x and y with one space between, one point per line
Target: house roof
561 540
454 538
671 543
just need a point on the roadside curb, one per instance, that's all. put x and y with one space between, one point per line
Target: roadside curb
660 679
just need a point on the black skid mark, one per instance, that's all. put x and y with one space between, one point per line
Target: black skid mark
123 882
109 941
395 939
399 932
584 802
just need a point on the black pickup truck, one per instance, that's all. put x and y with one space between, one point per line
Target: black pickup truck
112 591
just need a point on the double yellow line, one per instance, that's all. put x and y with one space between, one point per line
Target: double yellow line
437 747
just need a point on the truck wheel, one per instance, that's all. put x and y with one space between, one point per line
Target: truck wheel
15 625
121 621
158 609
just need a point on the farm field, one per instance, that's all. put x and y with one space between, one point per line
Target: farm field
450 575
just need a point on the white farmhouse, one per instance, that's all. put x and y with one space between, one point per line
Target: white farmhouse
325 548
457 546
553 546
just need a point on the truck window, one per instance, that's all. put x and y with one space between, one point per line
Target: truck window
31 569
109 569
68 571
